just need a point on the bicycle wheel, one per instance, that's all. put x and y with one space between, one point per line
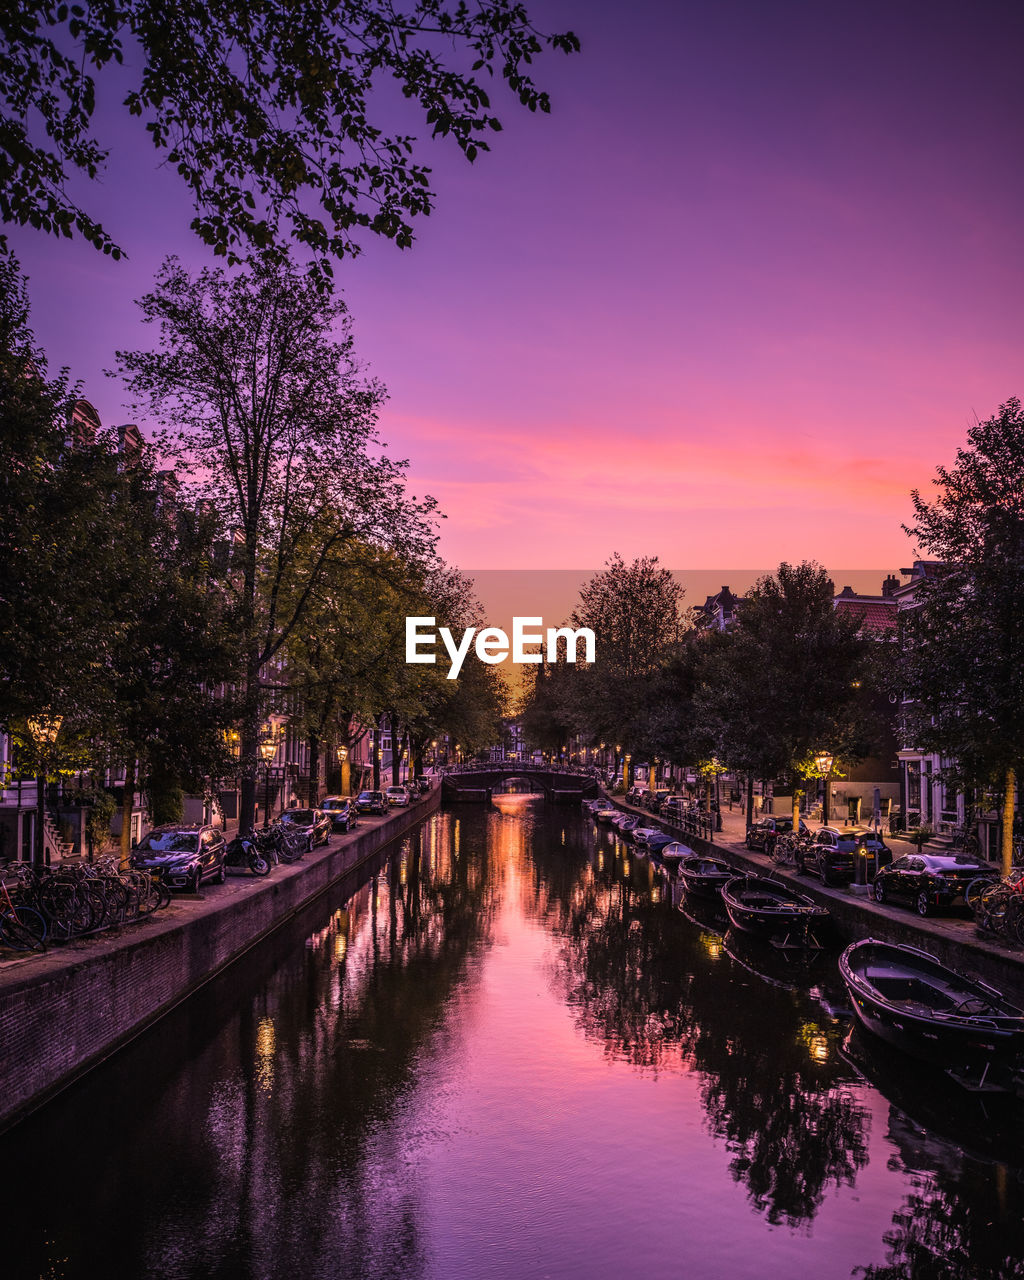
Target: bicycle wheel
1013 923
992 909
23 929
975 890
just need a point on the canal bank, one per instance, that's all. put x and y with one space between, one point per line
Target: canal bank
953 939
64 1012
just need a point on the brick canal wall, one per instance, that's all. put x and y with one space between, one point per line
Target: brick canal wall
64 1012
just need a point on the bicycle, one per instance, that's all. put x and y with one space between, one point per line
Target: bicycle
786 848
1000 908
965 839
22 928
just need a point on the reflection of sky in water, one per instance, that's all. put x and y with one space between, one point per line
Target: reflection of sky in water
509 1055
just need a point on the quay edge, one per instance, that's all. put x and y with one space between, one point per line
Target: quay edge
63 1013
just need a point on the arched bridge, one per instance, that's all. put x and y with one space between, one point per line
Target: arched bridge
478 781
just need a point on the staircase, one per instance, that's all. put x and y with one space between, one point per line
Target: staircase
55 844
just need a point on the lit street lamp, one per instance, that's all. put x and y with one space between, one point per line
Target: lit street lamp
823 762
268 749
44 729
343 761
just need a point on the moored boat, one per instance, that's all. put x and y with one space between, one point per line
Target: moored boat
772 910
919 1005
703 877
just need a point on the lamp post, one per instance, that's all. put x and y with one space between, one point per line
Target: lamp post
343 761
268 749
44 729
823 762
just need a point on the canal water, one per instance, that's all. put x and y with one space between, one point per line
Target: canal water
508 1054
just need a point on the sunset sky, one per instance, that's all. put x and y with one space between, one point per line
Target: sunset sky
742 290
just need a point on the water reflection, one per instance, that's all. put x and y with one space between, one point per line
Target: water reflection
452 1071
657 995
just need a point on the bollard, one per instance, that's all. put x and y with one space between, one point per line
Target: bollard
860 871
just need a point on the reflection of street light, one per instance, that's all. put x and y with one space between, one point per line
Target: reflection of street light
44 729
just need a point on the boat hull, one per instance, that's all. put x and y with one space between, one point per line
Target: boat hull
876 974
767 910
704 877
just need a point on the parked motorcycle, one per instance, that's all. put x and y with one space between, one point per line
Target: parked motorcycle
243 852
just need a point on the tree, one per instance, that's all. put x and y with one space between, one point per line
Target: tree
963 639
265 411
266 110
784 683
106 607
635 613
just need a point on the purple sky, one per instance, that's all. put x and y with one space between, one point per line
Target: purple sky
742 290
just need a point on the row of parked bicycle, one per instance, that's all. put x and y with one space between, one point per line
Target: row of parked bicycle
74 900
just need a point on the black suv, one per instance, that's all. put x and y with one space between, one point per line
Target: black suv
183 857
833 854
758 832
930 881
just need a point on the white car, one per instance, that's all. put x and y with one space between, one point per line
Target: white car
397 795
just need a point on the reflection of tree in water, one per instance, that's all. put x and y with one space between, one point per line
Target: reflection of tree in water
660 993
962 1220
284 1142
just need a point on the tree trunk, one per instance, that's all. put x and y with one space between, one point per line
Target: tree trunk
750 799
127 805
376 757
396 751
249 742
39 843
314 769
1008 809
796 811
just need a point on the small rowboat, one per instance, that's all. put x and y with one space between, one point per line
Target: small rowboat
772 910
704 877
917 1004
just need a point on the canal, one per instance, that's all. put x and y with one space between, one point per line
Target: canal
506 1053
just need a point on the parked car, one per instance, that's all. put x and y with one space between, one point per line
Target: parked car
929 881
636 794
312 823
397 795
655 799
182 856
340 811
371 802
758 832
423 784
833 855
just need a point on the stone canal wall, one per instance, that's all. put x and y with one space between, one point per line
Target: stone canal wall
64 1012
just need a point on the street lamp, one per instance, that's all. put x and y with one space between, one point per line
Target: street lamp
44 729
268 749
823 762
